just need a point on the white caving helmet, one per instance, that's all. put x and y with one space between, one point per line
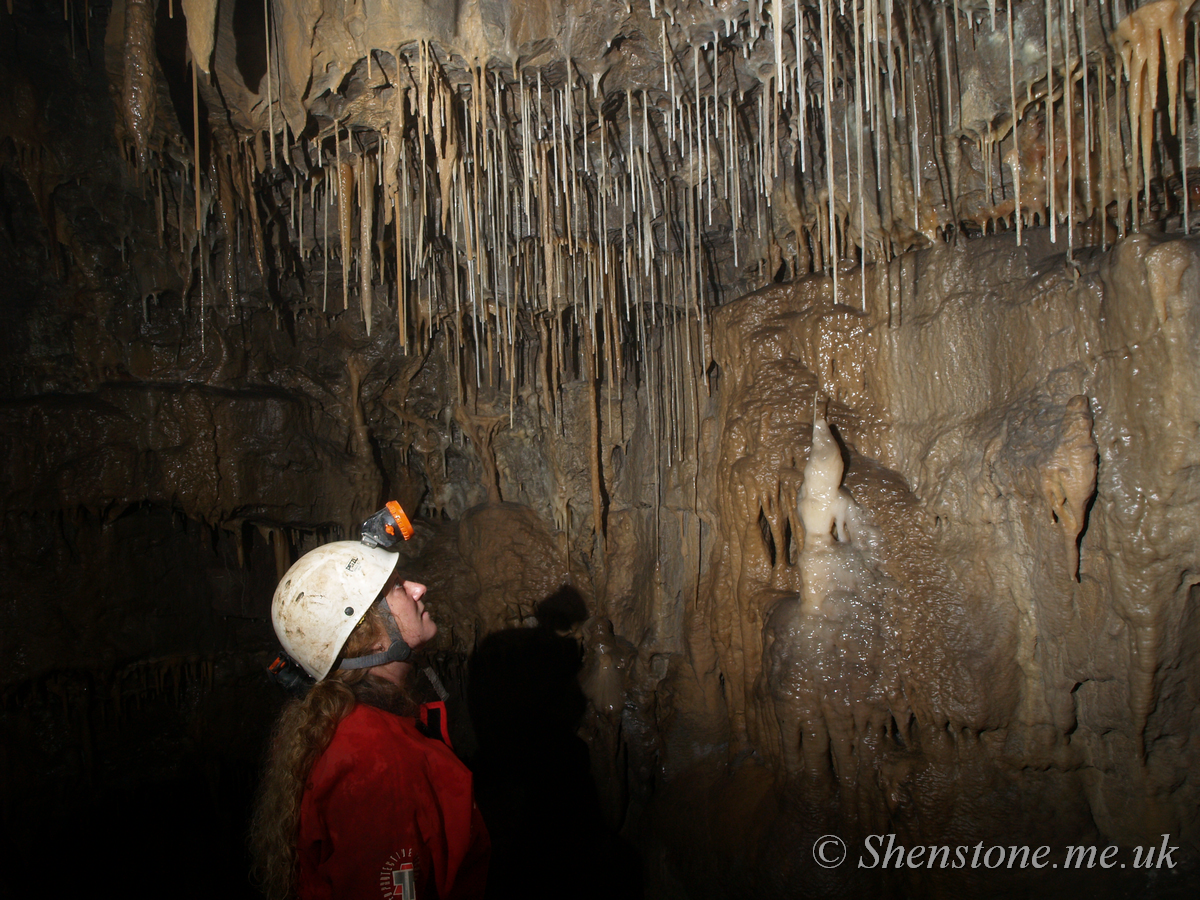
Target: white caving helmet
321 599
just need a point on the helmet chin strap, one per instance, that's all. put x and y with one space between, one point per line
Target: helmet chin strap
399 651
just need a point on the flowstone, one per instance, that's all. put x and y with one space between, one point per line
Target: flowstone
997 651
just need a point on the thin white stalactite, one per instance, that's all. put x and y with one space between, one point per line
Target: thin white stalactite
913 125
199 214
827 77
1012 91
801 85
270 103
858 136
1068 91
1183 147
1105 146
1187 186
1050 168
1081 23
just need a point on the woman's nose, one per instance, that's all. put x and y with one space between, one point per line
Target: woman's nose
415 589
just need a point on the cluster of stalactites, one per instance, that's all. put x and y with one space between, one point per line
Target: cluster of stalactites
603 224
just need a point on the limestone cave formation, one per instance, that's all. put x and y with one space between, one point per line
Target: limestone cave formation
798 403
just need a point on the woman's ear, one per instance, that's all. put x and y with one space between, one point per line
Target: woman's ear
382 640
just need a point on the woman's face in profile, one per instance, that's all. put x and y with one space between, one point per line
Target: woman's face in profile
413 619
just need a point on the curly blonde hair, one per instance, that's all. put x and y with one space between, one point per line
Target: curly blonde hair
301 734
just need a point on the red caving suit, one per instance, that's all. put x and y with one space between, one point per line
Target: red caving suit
389 812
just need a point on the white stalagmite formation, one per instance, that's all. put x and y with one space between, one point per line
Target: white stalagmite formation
824 505
831 566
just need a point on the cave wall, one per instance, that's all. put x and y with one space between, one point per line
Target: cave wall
203 379
992 647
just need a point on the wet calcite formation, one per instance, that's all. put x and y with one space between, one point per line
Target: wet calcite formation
838 358
984 634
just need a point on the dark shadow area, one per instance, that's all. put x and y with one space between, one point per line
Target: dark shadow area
532 771
162 808
250 38
135 705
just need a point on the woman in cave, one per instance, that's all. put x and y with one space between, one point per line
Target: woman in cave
362 792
